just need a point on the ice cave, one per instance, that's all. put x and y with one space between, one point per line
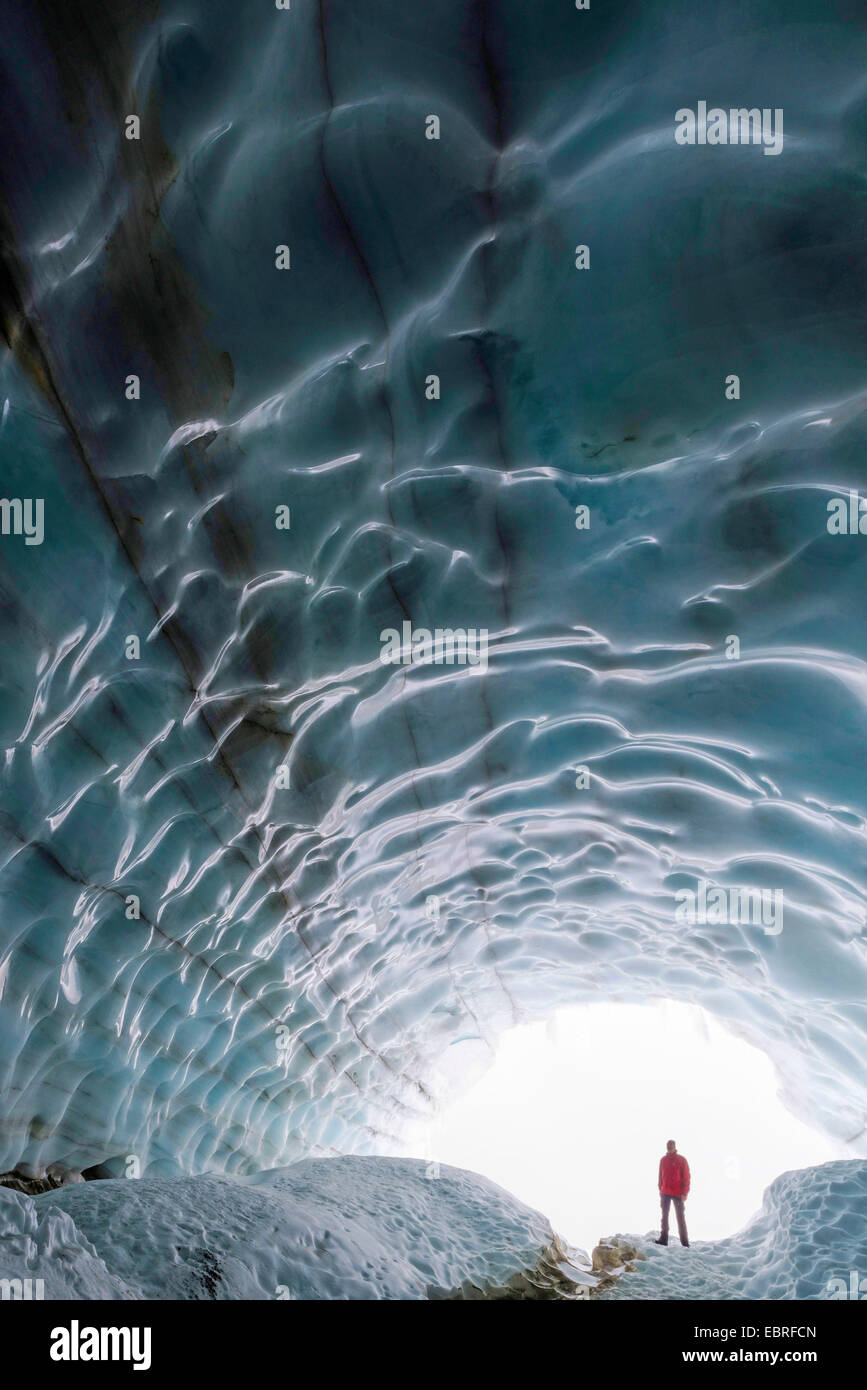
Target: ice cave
424 606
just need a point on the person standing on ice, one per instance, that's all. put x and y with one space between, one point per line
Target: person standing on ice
673 1187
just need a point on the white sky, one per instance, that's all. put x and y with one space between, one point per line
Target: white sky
573 1117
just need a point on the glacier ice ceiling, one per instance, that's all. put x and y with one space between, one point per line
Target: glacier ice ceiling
260 888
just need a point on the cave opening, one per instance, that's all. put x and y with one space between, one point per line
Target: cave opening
574 1113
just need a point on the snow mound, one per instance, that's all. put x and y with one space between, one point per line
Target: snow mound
341 1228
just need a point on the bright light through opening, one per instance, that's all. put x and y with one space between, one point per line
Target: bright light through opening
574 1114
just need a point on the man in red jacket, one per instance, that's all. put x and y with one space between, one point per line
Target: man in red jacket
673 1187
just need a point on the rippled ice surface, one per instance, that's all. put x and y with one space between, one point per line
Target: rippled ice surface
288 989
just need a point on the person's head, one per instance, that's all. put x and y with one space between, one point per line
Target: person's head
670 1147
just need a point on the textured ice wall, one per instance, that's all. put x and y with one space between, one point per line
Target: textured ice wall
264 907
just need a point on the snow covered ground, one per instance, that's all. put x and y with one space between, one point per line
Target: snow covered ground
381 1228
342 1228
210 967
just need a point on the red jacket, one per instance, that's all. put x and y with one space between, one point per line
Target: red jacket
673 1175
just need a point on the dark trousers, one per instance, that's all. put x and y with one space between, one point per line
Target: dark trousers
681 1219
